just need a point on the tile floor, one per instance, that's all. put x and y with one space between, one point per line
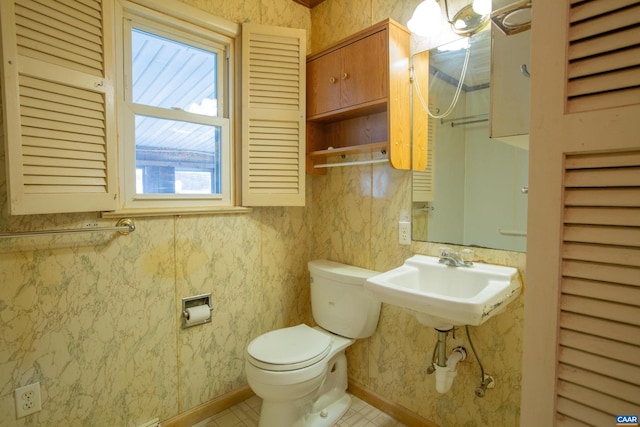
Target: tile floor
247 413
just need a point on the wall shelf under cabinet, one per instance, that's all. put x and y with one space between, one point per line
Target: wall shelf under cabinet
320 156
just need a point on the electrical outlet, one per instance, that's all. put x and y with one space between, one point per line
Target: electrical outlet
28 400
404 231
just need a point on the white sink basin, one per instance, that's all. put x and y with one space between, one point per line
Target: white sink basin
442 296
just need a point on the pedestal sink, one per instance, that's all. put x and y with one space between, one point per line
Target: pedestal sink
443 296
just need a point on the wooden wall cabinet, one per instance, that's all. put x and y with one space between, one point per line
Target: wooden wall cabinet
350 76
358 97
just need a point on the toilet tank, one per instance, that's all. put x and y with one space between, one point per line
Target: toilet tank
339 301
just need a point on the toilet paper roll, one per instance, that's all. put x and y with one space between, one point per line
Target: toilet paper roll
197 314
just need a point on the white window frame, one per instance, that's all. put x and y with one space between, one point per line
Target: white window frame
183 24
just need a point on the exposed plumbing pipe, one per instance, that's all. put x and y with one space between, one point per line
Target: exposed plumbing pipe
446 374
445 368
442 348
457 355
486 381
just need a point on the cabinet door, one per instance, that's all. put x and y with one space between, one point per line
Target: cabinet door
510 88
323 84
365 70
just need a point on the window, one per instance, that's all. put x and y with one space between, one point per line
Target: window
127 108
175 137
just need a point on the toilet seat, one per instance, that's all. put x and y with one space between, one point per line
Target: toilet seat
289 349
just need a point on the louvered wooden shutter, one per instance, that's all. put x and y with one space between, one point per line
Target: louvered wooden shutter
423 181
581 358
603 54
599 339
273 116
422 186
58 98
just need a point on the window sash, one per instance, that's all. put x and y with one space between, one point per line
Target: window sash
207 44
136 200
208 40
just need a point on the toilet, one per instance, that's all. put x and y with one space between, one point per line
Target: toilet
300 372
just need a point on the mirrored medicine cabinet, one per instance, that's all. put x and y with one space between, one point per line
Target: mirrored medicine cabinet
473 191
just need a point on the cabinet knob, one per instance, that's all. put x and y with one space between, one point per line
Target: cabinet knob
345 76
333 79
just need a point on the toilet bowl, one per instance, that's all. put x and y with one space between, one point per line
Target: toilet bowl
300 372
298 377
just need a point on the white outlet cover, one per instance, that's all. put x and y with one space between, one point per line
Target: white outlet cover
28 400
404 232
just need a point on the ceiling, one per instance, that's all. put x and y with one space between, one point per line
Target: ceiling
448 63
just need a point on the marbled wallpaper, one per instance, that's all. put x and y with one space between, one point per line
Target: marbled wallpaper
95 318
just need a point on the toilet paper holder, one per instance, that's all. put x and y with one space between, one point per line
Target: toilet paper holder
195 302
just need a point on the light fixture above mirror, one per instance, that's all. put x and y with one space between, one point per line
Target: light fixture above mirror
427 18
482 7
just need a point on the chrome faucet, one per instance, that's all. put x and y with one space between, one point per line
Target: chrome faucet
453 258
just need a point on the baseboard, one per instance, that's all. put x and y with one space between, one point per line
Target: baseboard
210 408
398 412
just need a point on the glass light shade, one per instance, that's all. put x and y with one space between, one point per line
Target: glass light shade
482 7
426 19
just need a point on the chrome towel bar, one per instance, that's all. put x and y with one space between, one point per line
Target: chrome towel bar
124 226
362 162
510 232
476 118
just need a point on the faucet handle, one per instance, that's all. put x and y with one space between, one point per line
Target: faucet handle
446 251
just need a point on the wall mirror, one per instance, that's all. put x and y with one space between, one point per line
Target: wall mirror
473 191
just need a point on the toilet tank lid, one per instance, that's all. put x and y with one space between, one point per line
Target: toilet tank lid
340 272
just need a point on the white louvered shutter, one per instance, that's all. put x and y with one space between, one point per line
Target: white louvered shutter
423 185
273 116
423 181
58 105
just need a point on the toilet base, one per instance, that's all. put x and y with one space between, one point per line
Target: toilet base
279 414
331 414
322 408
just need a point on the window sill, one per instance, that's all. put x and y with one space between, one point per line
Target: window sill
175 212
